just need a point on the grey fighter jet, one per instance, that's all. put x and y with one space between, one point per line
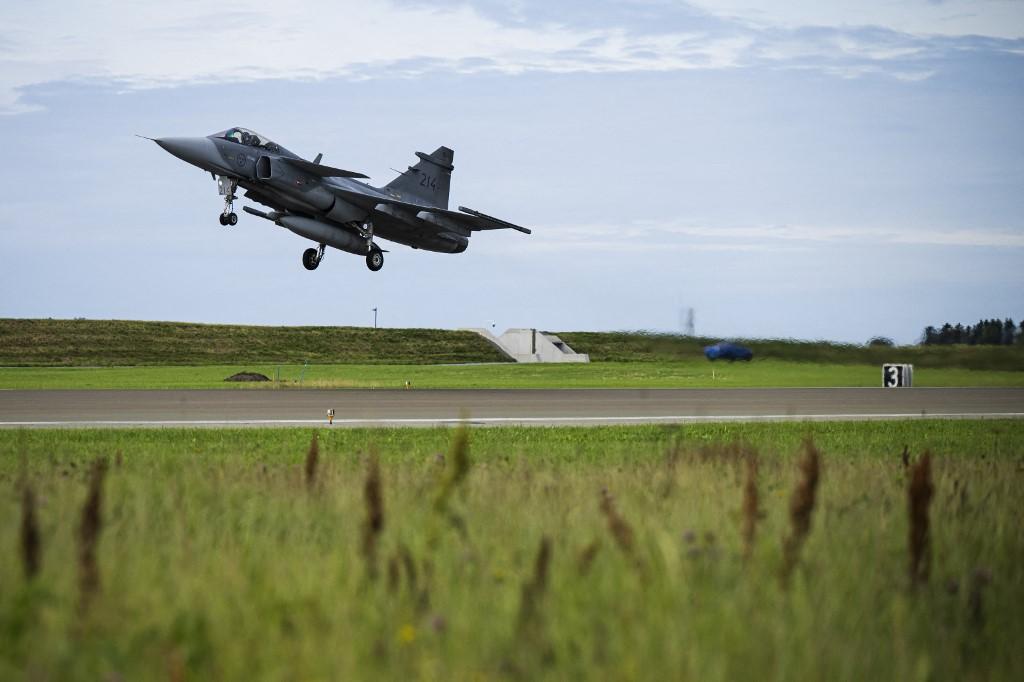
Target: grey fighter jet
330 205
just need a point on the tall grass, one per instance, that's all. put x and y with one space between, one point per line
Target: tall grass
216 563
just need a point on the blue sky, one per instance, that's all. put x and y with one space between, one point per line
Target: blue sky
836 171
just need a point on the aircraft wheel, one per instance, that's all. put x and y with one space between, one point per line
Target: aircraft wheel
223 219
309 259
232 218
375 260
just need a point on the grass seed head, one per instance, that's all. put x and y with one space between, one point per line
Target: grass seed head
455 472
750 507
89 534
620 529
586 557
801 506
31 547
919 497
980 578
373 525
312 459
534 589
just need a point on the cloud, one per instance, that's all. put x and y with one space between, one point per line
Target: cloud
992 18
673 236
133 46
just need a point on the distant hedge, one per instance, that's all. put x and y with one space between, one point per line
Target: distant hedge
643 346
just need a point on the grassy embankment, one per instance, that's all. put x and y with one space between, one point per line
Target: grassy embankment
219 557
97 354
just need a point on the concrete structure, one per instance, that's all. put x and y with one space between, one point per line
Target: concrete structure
530 345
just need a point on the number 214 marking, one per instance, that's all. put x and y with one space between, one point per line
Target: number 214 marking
427 181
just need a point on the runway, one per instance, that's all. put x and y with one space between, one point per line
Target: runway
260 407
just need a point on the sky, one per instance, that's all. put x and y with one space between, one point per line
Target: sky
835 170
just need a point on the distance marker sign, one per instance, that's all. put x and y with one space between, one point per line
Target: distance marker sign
897 376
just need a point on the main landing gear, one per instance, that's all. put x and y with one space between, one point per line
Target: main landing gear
311 257
227 187
374 257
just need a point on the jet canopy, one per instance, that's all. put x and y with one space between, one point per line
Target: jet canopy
249 138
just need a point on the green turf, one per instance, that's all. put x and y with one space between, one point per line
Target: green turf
681 374
123 354
216 561
76 343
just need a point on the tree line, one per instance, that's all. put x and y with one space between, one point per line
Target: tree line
985 333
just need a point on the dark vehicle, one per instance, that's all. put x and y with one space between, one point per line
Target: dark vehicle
728 351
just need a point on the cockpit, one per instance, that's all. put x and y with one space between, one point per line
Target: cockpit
249 138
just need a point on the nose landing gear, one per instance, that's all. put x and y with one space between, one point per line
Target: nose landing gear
227 186
311 257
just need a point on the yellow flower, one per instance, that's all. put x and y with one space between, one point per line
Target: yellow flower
407 634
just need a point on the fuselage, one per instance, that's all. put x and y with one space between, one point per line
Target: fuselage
261 168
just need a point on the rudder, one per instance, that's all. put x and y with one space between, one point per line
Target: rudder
429 180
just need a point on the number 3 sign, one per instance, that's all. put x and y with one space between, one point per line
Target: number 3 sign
897 376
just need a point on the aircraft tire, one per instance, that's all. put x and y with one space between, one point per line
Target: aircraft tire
375 260
232 218
223 219
309 259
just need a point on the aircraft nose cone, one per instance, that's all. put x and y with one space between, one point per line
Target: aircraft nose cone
198 151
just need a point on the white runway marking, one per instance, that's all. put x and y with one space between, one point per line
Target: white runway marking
534 421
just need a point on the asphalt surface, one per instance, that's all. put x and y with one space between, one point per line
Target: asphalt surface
261 407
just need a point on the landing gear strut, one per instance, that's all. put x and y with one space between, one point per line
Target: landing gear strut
227 187
311 257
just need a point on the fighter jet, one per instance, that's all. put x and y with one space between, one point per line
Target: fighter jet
330 205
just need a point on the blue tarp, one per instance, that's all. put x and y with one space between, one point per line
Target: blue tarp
727 351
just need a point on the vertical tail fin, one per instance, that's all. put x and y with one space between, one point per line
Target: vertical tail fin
429 180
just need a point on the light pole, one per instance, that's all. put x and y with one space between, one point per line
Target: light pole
374 318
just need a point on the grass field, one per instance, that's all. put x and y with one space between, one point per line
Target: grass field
78 343
603 553
122 354
679 374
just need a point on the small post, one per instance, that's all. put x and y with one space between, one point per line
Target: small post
330 416
374 318
302 374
